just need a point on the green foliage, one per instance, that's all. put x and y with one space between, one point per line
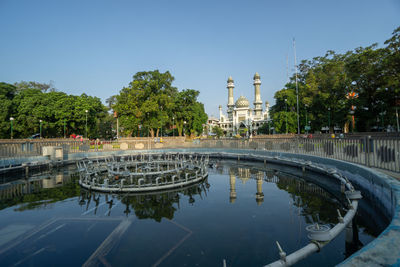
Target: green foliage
323 82
28 105
44 87
263 129
7 92
218 131
150 100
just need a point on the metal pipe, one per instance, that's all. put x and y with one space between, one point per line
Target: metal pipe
316 246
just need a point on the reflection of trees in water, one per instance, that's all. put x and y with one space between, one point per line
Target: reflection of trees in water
38 192
148 206
316 204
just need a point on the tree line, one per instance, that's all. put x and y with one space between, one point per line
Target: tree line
354 91
149 105
32 107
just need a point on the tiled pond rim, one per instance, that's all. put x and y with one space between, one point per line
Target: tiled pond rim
380 188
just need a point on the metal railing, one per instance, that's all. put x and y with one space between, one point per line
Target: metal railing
377 152
26 147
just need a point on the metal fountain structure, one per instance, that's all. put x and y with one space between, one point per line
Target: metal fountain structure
143 172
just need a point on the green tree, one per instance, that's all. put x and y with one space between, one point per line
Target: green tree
44 87
150 100
7 93
263 129
147 100
218 131
283 110
30 105
188 109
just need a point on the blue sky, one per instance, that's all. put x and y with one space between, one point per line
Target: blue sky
97 46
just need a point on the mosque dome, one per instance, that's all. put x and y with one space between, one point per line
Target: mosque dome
242 102
230 80
256 76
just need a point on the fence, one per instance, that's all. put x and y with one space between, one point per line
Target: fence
378 152
375 152
26 148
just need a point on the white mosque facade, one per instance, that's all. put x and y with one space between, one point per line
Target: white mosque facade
240 115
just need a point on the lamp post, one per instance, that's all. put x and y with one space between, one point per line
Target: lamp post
40 127
249 131
286 115
148 130
305 127
329 120
64 129
352 95
11 122
173 126
184 125
86 111
161 125
269 126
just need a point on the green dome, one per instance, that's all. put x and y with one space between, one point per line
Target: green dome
230 80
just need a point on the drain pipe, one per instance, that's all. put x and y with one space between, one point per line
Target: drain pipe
316 245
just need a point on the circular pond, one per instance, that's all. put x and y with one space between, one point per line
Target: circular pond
235 216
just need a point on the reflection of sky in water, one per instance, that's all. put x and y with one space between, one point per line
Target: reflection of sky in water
236 215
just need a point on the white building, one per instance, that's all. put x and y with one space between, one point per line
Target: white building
239 115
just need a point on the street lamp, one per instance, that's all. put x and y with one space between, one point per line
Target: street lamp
64 129
173 126
40 127
148 130
86 123
329 120
161 125
11 122
184 125
305 127
286 115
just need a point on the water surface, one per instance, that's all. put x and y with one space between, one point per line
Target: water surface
235 215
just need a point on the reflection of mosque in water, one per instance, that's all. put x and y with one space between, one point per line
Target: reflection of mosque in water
270 176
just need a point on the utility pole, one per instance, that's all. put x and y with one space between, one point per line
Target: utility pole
287 68
297 88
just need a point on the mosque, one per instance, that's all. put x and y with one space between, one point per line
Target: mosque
239 114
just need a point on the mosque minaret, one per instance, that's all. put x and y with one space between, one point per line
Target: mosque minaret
231 105
240 117
257 97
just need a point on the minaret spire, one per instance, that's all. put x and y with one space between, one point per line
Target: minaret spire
257 96
231 103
